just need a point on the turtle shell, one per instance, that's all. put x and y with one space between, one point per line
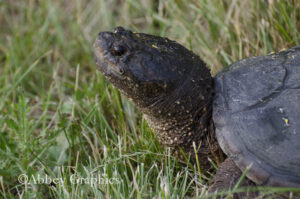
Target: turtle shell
256 112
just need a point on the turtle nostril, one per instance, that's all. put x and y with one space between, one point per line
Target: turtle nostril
105 35
118 50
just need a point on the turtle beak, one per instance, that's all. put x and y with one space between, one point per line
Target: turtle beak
106 54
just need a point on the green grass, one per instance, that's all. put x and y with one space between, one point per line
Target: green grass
59 116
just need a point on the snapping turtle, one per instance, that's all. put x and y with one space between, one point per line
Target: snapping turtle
250 110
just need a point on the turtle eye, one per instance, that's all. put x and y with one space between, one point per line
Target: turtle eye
118 50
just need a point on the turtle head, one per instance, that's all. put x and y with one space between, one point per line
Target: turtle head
144 67
168 83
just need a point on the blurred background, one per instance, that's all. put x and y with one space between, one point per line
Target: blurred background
59 117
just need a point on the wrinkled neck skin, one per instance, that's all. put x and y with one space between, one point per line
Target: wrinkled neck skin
182 121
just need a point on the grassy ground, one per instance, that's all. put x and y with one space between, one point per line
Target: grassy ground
60 119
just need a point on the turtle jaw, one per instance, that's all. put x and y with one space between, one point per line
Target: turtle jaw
112 53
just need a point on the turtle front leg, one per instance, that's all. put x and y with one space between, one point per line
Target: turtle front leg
226 178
